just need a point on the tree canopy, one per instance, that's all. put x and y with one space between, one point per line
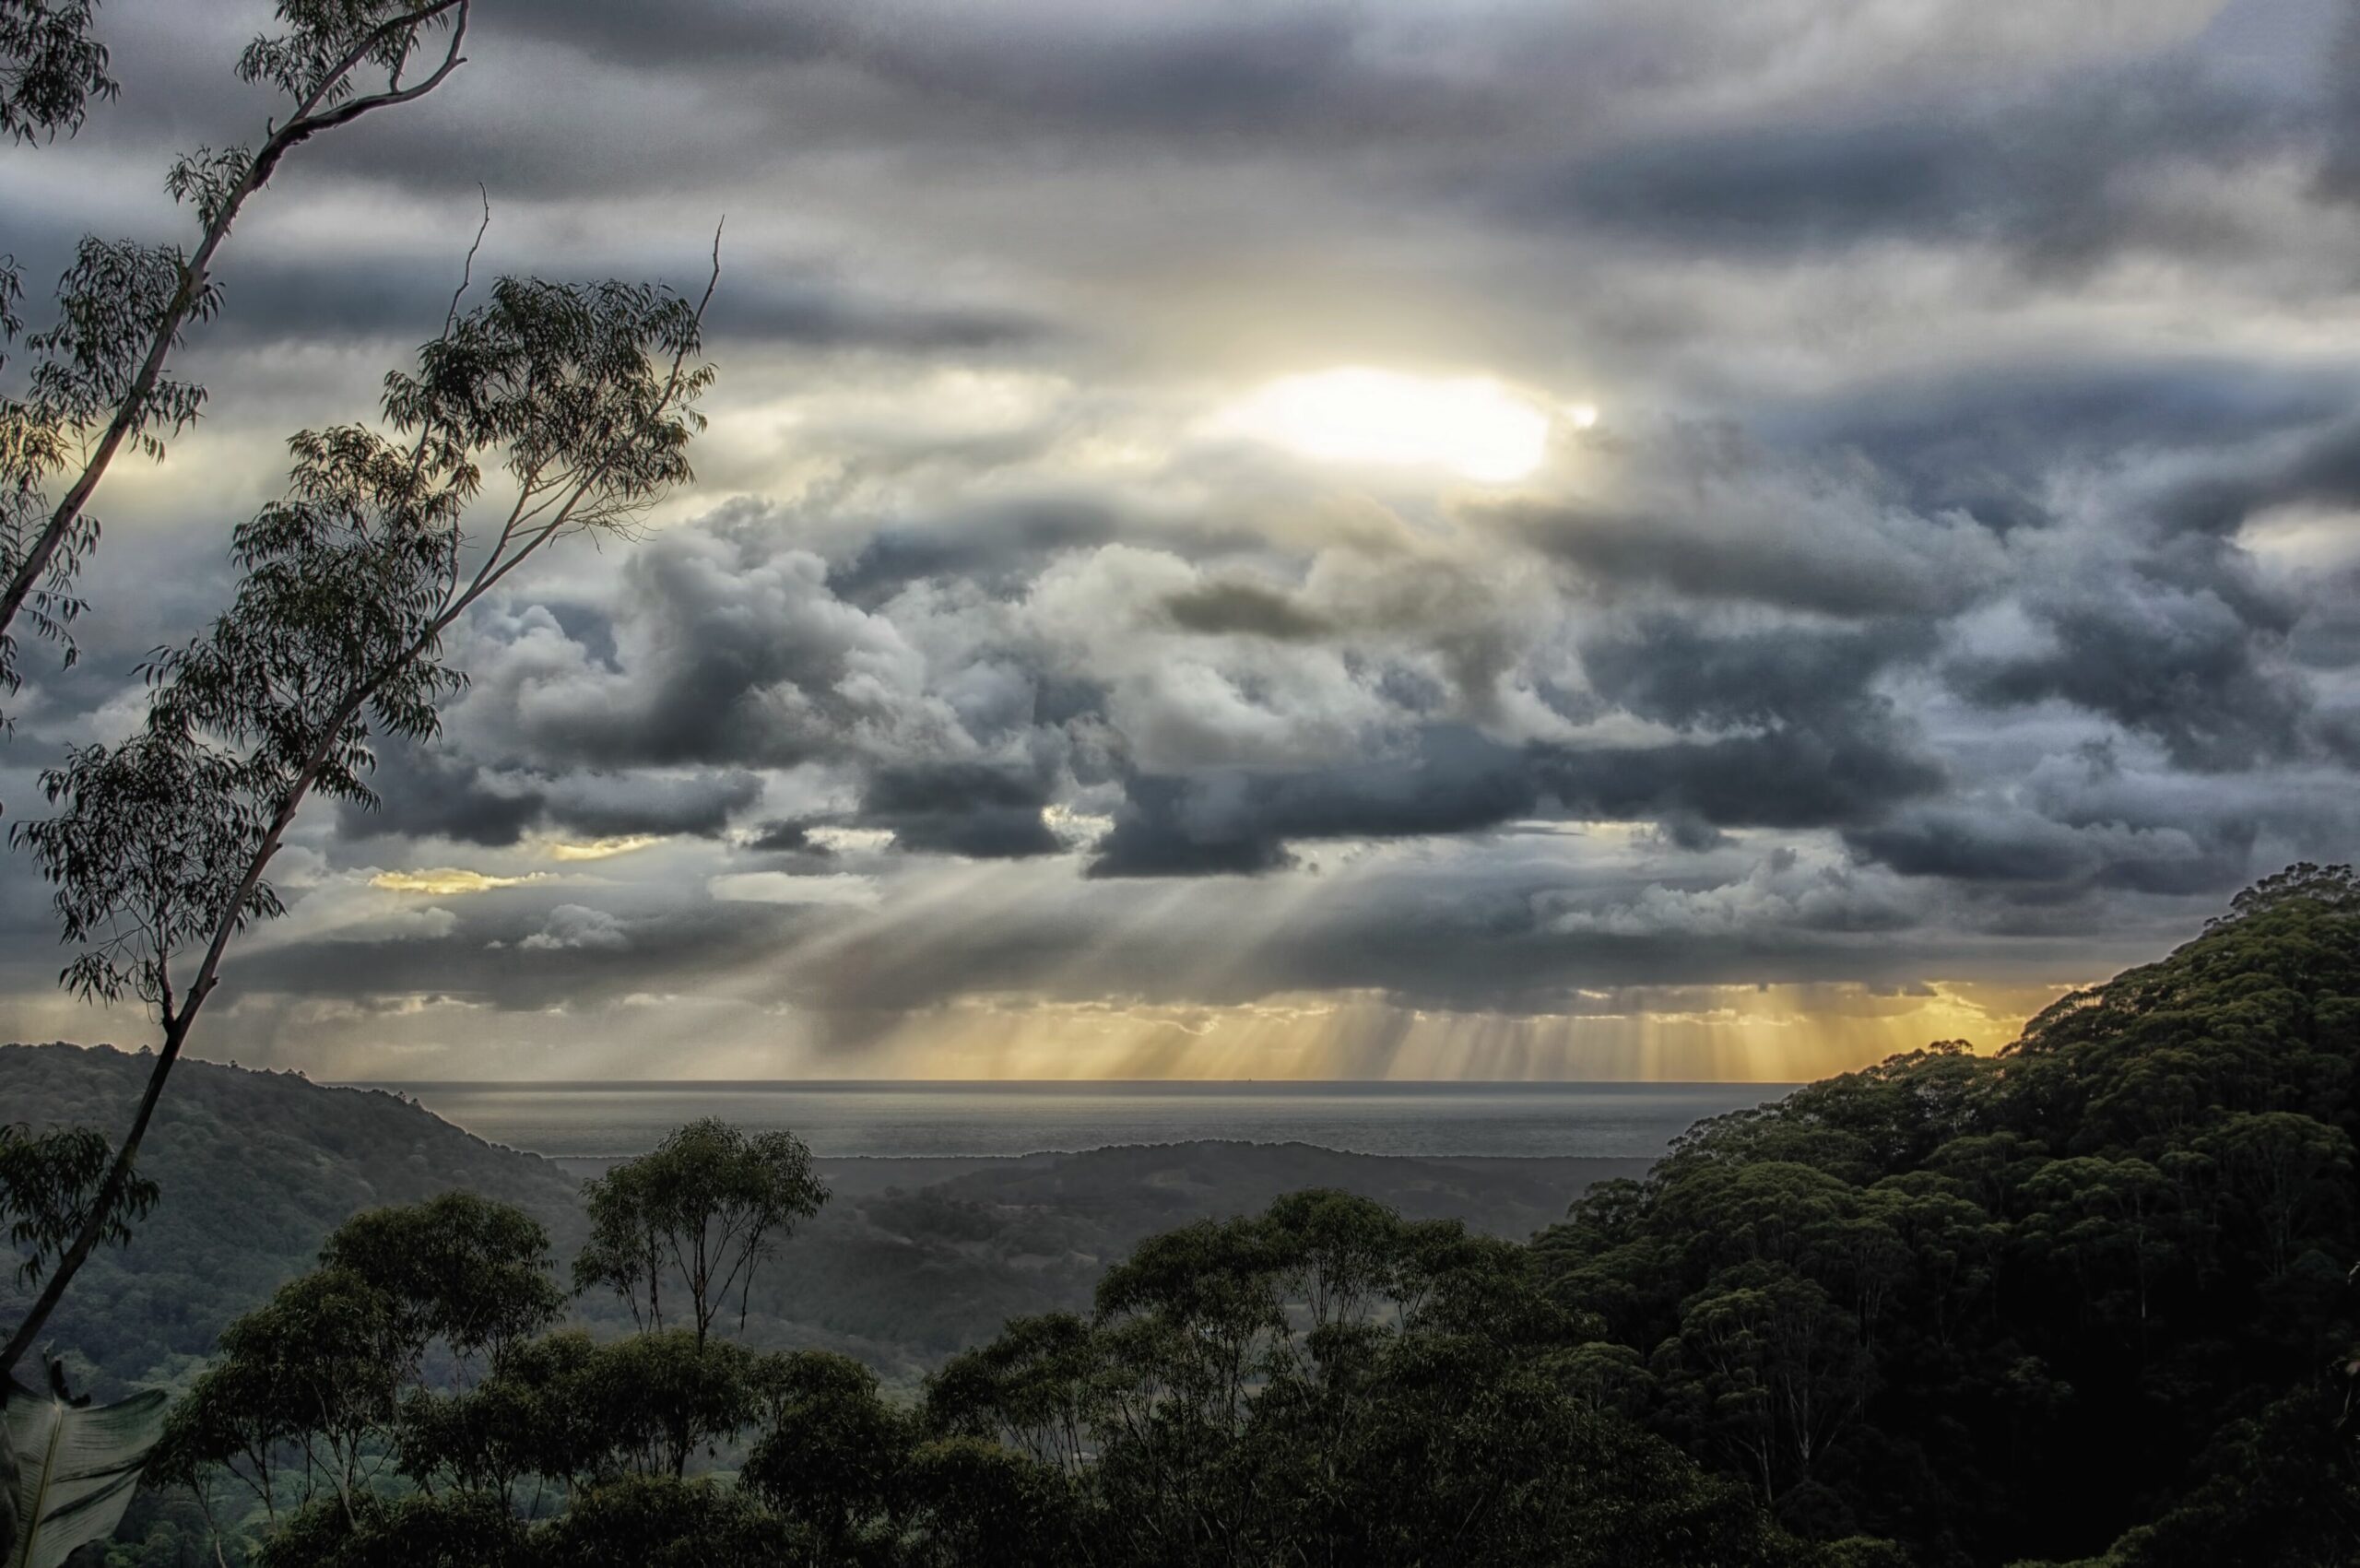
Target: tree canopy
703 1210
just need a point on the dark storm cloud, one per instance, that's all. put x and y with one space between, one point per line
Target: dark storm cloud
1792 186
731 649
290 299
2319 467
1849 767
728 647
2179 646
2034 857
442 795
2340 175
1247 70
731 654
1825 747
1710 511
964 808
774 307
2191 681
1222 607
683 32
490 956
1674 552
1448 780
1952 843
786 837
426 793
623 805
1686 831
401 287
2328 637
2053 176
1987 441
1114 68
1000 547
1671 670
268 300
1794 777
648 99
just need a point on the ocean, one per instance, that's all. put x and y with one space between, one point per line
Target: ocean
905 1120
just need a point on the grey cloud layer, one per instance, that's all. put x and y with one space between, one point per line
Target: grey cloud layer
1964 564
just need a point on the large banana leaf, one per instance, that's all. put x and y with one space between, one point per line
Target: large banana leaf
75 1468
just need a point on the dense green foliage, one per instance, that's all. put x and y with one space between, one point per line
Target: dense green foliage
2087 1297
1326 1383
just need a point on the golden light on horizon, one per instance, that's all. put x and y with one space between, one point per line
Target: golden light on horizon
601 849
446 881
1784 1034
1473 426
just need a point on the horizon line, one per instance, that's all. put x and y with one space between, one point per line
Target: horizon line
839 1083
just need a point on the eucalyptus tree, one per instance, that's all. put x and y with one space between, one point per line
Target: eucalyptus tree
99 382
47 1179
1326 1383
706 1205
307 1398
582 398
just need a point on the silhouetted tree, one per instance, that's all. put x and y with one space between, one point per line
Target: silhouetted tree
159 851
705 1207
307 1398
47 1183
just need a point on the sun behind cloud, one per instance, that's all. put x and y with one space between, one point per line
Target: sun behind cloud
1472 426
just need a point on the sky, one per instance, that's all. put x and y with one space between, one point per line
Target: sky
1411 538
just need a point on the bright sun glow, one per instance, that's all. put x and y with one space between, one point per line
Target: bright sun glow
1470 425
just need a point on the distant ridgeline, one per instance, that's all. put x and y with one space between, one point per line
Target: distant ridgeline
258 1168
2085 1302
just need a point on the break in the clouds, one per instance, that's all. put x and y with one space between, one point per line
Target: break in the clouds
1499 540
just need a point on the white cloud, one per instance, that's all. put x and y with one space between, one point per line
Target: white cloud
574 926
840 888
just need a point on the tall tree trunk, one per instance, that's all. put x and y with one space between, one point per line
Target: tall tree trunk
110 1196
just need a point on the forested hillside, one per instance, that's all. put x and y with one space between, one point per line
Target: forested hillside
253 1169
2092 1293
911 1261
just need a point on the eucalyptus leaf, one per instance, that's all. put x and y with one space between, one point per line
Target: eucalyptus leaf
75 1468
